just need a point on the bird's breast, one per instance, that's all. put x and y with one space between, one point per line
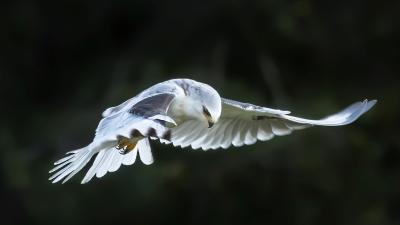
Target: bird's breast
181 109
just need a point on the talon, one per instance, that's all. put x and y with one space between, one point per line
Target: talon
130 146
125 145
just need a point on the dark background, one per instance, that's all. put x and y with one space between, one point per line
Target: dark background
63 62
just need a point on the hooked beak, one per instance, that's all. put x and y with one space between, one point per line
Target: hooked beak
207 115
210 123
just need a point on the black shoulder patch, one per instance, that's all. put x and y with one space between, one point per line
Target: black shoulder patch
263 117
167 135
154 105
152 132
135 133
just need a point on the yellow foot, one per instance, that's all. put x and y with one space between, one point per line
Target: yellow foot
125 145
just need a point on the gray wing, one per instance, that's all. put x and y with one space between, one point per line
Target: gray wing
146 116
159 93
154 105
157 103
244 123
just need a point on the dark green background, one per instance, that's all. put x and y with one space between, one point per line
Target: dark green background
63 62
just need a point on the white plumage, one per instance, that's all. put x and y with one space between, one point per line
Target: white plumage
180 112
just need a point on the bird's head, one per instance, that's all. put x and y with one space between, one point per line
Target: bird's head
206 103
211 111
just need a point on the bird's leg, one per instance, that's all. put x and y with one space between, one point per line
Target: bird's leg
125 145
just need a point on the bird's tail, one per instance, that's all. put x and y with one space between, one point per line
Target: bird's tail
108 159
71 164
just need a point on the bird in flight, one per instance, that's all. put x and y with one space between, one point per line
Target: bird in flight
185 113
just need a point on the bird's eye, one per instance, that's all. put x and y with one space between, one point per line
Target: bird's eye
206 112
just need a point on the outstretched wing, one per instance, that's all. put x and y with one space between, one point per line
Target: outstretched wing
146 117
244 123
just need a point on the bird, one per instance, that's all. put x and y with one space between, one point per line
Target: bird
185 113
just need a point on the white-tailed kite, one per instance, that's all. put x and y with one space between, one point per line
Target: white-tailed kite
185 113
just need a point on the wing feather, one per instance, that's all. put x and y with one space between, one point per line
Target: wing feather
244 124
130 158
251 135
196 144
237 141
279 128
228 134
220 135
117 161
105 163
145 151
190 135
264 131
243 131
210 137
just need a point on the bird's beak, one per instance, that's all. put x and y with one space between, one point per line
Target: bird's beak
210 123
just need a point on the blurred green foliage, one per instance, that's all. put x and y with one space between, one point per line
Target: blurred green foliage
64 62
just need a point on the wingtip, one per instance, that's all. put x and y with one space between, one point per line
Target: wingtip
372 102
85 179
364 107
148 162
369 104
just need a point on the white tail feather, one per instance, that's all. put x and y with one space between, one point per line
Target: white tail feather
72 164
108 159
